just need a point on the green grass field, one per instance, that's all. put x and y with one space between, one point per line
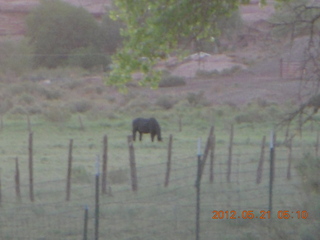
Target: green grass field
153 212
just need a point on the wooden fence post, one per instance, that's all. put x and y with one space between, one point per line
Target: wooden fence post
281 68
1 123
69 170
133 171
96 222
85 225
230 154
271 177
104 165
30 148
213 145
289 159
0 189
206 151
166 182
80 122
260 166
197 185
28 123
17 180
317 145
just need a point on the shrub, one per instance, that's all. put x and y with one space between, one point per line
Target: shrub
15 56
165 102
5 105
26 99
172 81
18 110
23 87
195 99
50 93
309 169
81 106
206 74
249 117
57 114
56 29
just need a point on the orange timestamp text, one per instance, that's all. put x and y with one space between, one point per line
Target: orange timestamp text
250 214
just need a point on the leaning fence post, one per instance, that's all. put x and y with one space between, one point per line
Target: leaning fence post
30 148
206 151
69 170
133 171
213 144
104 165
230 154
260 166
17 180
166 182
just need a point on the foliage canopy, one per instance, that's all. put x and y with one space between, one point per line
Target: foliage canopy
155 29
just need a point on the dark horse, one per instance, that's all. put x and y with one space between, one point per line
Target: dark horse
143 125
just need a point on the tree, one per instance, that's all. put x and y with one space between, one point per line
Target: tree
111 37
57 29
154 29
300 20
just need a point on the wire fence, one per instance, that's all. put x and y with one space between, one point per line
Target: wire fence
158 212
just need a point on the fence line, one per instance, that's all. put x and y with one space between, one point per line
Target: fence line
240 188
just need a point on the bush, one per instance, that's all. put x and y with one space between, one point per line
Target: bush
57 114
196 99
309 169
249 117
172 81
23 87
5 105
15 56
50 93
26 99
81 106
88 58
165 102
18 110
58 28
207 74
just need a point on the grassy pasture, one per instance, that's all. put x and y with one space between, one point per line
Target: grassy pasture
154 212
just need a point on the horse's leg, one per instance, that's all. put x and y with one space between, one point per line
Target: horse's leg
140 137
152 137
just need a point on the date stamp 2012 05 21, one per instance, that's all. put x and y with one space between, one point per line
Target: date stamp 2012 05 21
250 214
